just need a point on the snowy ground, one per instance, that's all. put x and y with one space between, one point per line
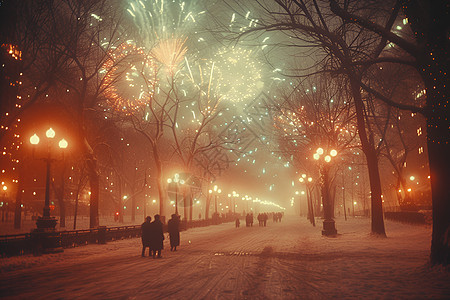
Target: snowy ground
288 260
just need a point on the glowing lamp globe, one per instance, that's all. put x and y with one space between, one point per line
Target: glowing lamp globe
50 133
34 139
63 144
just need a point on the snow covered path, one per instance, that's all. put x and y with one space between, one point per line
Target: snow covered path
288 260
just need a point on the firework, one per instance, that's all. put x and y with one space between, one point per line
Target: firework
162 19
170 52
129 77
238 74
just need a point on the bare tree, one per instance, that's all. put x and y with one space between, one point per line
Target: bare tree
316 114
335 47
427 51
86 32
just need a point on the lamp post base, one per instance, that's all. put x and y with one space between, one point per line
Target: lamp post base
46 223
329 228
45 238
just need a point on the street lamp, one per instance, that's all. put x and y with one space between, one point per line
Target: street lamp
329 227
176 180
47 222
216 191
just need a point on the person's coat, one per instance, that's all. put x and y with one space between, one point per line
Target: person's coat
146 229
174 232
157 235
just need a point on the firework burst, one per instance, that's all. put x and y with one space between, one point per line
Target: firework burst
129 78
238 74
170 52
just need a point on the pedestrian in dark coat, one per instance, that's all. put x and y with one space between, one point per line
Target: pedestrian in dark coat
157 237
146 235
174 232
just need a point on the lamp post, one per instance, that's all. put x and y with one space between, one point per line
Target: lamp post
234 194
176 180
216 190
329 228
46 222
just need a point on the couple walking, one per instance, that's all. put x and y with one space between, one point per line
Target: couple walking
153 235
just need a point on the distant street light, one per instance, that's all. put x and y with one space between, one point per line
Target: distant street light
217 192
176 180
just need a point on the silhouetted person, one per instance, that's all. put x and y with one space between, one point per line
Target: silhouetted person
264 218
174 232
146 235
238 223
248 220
157 237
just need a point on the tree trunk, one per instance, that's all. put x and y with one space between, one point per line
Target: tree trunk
191 206
62 209
133 208
159 182
76 209
438 136
440 174
377 226
208 201
185 203
94 197
18 211
18 208
62 204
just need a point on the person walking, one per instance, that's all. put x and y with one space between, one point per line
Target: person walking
157 237
146 235
174 232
